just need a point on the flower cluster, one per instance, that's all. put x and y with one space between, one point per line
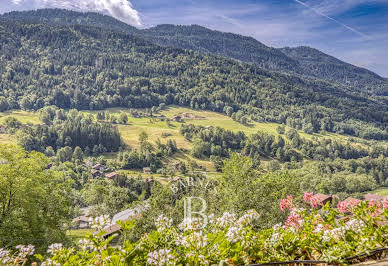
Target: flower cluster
312 199
328 234
25 251
226 220
286 203
100 222
5 256
248 218
161 257
54 248
347 205
162 223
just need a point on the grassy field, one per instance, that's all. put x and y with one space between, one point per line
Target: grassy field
78 234
22 116
164 131
380 191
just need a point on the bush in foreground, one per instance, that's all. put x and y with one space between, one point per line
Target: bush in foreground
311 233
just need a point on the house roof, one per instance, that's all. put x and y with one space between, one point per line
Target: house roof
97 166
322 198
111 229
146 169
111 175
85 219
96 171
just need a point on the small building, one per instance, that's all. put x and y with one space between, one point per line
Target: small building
98 167
96 173
209 127
123 216
188 115
177 118
162 117
147 170
322 199
81 222
3 129
373 198
111 175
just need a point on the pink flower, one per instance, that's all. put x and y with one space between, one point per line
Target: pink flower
347 205
286 203
341 207
293 220
385 203
308 196
314 202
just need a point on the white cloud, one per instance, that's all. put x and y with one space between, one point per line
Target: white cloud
120 9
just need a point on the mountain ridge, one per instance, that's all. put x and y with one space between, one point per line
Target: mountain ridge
235 46
86 67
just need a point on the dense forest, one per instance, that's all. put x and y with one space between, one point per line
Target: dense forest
304 61
89 68
68 129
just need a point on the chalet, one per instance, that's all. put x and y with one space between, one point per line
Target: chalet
98 166
177 118
3 129
81 222
147 170
123 216
162 117
322 199
111 175
373 197
188 115
96 173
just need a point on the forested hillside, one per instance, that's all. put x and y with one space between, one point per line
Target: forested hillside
90 68
304 61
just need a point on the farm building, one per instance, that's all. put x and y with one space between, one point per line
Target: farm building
111 175
81 222
147 170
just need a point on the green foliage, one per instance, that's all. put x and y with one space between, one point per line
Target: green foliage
64 131
114 69
34 202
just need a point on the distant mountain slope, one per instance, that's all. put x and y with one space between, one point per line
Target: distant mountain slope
68 17
301 60
235 46
317 64
86 67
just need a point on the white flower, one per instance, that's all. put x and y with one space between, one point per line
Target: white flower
354 225
86 244
227 219
161 257
162 223
4 256
101 222
49 262
190 224
54 248
248 218
25 251
234 234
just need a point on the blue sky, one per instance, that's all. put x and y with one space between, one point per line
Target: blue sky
355 31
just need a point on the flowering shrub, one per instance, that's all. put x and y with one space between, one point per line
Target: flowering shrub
314 233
